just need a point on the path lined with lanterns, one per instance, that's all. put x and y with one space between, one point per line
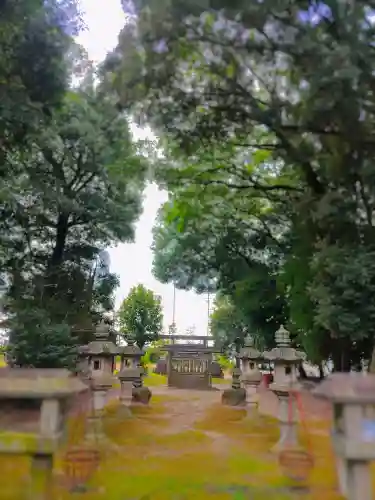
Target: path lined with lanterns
86 427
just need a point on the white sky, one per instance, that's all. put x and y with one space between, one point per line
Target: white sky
133 262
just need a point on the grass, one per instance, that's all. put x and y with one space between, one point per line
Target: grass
154 379
219 381
225 455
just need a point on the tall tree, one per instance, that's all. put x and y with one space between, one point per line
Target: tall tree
80 191
220 251
31 87
227 326
287 84
140 316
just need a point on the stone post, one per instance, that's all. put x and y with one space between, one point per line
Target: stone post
287 416
140 393
251 375
41 477
100 386
236 395
353 434
132 390
285 385
21 390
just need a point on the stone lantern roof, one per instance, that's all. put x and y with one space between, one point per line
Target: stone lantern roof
283 352
249 351
130 373
349 388
131 351
37 383
101 346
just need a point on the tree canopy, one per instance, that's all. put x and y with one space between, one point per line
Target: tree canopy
140 316
271 103
223 252
72 183
265 113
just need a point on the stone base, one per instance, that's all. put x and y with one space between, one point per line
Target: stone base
123 411
288 437
141 395
234 397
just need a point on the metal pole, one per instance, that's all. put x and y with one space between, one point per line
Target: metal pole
208 313
174 305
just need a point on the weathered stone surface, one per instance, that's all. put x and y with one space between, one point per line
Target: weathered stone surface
347 388
32 383
252 378
141 395
234 397
130 374
215 370
161 367
33 408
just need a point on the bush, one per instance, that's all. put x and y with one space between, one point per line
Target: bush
152 354
36 341
225 363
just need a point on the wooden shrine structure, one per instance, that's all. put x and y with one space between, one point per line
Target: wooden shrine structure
188 364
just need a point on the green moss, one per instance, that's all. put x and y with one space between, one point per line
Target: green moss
220 381
154 379
224 456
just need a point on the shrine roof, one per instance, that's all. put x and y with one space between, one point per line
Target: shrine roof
190 348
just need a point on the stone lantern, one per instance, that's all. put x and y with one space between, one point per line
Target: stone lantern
131 356
251 375
235 395
131 376
34 405
101 352
101 360
353 434
285 360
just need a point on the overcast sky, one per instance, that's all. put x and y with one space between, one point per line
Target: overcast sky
133 262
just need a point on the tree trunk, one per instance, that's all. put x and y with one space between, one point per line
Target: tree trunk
341 359
371 365
321 371
60 240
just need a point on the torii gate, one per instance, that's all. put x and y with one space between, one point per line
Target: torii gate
188 364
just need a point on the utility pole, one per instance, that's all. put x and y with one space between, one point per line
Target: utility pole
174 305
172 326
208 313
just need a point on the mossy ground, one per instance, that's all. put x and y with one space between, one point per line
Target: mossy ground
167 452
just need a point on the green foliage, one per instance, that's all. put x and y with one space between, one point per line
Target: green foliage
218 249
72 179
224 362
140 316
226 326
31 87
84 181
153 352
348 275
277 112
37 341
